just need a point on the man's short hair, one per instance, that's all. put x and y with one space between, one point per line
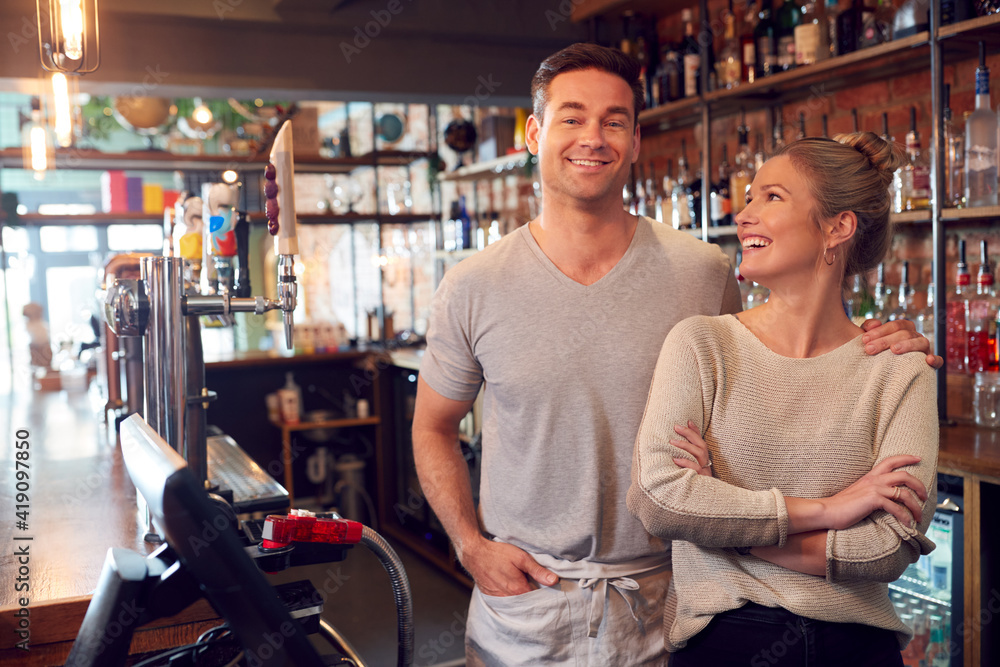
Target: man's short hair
582 56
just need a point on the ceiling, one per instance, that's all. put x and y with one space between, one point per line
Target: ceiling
383 50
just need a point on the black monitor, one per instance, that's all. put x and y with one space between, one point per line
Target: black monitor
203 538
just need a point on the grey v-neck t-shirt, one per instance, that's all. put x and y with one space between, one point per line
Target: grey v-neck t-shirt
567 369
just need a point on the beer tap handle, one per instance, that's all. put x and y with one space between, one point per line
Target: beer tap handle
242 287
286 242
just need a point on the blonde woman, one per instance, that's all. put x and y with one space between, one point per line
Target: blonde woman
803 480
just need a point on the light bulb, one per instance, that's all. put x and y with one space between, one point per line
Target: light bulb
64 118
229 176
39 160
201 114
71 22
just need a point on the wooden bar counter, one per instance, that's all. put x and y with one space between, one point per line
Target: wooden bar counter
82 503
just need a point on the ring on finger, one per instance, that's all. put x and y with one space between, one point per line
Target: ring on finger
895 495
707 465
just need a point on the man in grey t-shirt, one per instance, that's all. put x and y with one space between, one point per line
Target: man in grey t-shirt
561 322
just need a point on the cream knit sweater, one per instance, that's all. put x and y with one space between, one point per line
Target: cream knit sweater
778 426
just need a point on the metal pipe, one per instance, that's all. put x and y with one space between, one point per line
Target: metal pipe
195 450
224 305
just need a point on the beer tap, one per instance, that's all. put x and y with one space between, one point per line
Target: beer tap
279 191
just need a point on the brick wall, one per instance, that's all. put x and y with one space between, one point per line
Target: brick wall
894 96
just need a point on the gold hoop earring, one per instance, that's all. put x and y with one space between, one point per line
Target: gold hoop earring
829 262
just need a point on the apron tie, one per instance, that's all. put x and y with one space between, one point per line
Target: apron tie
624 586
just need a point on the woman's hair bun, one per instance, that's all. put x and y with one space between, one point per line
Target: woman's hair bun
885 156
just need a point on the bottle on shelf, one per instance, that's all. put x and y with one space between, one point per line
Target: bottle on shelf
668 82
811 36
748 47
881 299
954 155
680 197
877 26
728 68
850 23
802 126
826 130
450 241
925 318
765 40
697 190
759 156
463 228
788 17
777 130
912 17
720 205
859 301
981 142
638 206
653 198
937 654
642 57
832 12
903 309
981 316
627 45
896 187
691 55
667 203
917 170
742 174
956 340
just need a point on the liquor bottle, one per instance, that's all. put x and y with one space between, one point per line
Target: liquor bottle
465 224
896 187
937 654
802 126
913 17
680 197
981 143
877 26
667 204
452 233
925 318
980 320
777 131
695 188
826 131
627 45
691 55
653 198
811 36
748 47
954 156
953 11
859 301
669 80
788 17
642 57
917 170
728 69
903 310
832 12
742 175
957 343
766 40
759 156
882 298
638 192
720 205
850 23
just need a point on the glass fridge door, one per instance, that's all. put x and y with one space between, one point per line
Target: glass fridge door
928 597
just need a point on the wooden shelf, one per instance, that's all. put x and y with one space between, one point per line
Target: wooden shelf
962 37
74 158
330 423
672 115
910 217
973 213
821 79
588 9
494 168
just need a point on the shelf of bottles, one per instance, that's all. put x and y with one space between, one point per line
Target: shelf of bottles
500 166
